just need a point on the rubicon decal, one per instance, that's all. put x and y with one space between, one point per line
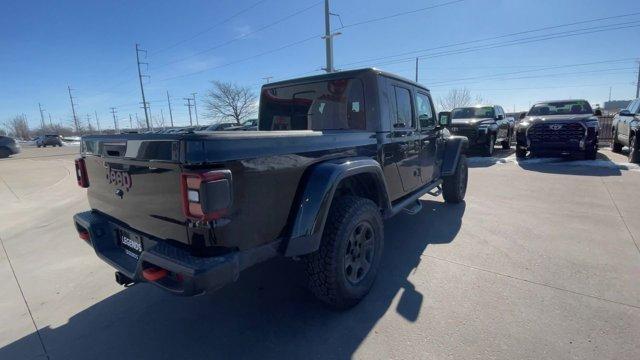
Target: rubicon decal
119 178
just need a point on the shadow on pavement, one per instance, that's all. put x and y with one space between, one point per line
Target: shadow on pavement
602 166
500 156
267 314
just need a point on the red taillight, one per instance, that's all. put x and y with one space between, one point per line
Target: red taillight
81 173
206 196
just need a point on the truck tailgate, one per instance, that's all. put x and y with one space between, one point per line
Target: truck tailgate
138 183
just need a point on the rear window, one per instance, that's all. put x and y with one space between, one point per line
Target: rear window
325 105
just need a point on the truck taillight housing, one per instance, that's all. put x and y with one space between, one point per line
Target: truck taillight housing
206 195
81 173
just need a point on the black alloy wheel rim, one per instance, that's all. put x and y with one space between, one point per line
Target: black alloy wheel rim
359 253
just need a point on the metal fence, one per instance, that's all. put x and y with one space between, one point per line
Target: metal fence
605 134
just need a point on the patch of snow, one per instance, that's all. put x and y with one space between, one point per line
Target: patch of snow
489 161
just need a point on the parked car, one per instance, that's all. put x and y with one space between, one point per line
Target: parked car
188 212
8 146
250 125
483 125
222 126
562 127
625 129
51 140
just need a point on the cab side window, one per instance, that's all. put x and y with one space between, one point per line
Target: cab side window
425 111
404 109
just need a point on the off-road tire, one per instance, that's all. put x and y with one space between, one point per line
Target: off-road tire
521 153
634 149
326 272
454 187
487 149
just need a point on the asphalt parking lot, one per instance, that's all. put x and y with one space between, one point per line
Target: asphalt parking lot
540 262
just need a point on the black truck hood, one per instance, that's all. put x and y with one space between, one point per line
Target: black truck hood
471 121
560 118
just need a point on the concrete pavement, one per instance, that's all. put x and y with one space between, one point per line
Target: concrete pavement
541 261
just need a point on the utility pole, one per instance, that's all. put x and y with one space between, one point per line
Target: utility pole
162 116
115 120
328 37
195 107
189 105
130 122
416 69
609 93
41 116
267 79
140 76
50 122
89 123
170 113
97 121
73 110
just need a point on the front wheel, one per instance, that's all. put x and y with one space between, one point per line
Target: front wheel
345 266
616 147
487 151
521 152
634 149
454 187
591 153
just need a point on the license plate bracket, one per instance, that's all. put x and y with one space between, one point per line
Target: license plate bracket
130 243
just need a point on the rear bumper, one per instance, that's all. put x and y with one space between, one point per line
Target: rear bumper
188 275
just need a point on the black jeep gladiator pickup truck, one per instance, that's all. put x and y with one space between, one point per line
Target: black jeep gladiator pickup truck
483 126
563 127
335 154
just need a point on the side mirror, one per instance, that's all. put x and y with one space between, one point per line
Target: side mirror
444 118
625 112
598 112
500 117
523 115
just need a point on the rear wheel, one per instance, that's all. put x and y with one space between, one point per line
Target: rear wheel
345 266
454 187
634 149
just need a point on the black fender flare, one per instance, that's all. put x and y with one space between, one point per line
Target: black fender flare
454 147
314 198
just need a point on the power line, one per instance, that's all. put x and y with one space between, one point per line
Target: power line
400 14
511 43
202 32
600 71
493 37
240 37
528 71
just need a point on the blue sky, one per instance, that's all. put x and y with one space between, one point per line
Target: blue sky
90 46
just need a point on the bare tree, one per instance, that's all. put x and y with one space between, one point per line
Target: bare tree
18 126
229 101
455 98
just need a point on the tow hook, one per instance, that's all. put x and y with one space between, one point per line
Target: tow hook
123 279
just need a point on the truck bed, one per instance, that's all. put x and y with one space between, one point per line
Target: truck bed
135 179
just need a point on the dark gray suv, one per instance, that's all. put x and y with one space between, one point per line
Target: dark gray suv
8 146
52 140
